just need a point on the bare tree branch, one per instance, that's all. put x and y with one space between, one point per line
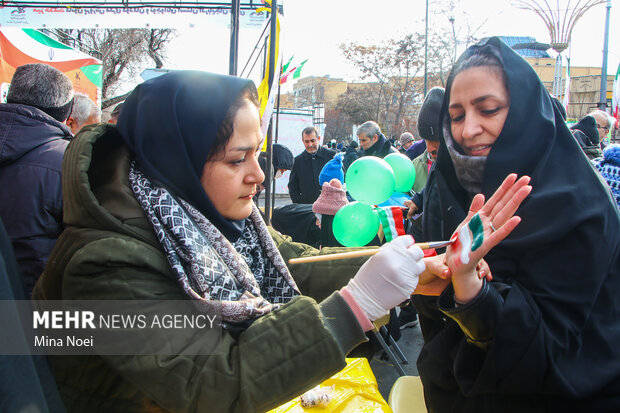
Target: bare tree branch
120 50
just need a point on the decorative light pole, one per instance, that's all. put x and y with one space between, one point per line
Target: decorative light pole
560 22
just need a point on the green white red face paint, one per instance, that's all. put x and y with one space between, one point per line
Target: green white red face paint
468 238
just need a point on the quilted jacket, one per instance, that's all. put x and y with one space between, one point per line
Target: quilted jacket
109 252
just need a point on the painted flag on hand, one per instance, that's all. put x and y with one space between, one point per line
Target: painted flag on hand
392 221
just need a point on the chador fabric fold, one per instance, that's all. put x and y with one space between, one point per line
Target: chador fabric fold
557 325
170 126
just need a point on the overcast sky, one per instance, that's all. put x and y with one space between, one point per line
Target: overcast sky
314 30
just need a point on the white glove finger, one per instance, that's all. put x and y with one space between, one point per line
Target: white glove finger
420 267
415 252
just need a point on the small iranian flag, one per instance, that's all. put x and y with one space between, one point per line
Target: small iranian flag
298 70
284 77
615 99
392 222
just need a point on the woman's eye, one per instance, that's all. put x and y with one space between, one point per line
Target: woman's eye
491 111
238 161
457 118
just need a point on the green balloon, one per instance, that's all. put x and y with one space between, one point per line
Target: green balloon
355 224
370 180
404 172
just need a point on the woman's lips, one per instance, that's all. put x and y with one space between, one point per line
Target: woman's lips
478 150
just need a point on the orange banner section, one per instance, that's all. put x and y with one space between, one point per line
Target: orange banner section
11 58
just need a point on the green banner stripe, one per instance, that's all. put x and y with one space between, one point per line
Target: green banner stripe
93 73
46 40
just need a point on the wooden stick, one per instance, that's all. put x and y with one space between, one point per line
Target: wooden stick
353 254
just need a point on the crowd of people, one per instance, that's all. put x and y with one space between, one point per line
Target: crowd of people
519 313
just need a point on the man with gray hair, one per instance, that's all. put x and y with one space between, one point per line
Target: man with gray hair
373 141
34 139
603 125
84 112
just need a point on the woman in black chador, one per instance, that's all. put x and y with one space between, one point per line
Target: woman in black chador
544 334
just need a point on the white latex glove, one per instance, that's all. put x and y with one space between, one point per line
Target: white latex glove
388 278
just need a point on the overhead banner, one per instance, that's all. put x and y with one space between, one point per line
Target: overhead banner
124 18
22 46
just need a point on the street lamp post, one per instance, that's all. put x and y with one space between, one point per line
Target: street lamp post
426 51
453 37
603 97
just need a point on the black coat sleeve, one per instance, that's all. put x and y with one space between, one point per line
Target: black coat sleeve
293 184
547 330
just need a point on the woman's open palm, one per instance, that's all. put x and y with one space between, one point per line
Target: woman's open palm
487 224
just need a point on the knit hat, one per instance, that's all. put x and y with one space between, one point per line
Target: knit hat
429 120
406 137
332 169
332 198
282 157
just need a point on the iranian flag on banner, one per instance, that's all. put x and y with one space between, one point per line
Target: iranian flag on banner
22 46
615 99
392 222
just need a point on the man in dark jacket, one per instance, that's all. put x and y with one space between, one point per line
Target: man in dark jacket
587 136
303 184
373 141
350 155
429 128
32 144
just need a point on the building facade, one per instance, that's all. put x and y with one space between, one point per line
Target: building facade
312 89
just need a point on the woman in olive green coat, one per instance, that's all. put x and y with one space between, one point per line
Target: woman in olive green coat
160 208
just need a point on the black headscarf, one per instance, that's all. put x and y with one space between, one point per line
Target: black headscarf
170 123
534 141
587 126
560 268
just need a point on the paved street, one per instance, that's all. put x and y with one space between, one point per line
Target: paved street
410 343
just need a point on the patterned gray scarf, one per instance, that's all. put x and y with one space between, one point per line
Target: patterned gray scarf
207 266
469 169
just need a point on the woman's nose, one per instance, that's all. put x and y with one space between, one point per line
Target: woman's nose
255 175
471 127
